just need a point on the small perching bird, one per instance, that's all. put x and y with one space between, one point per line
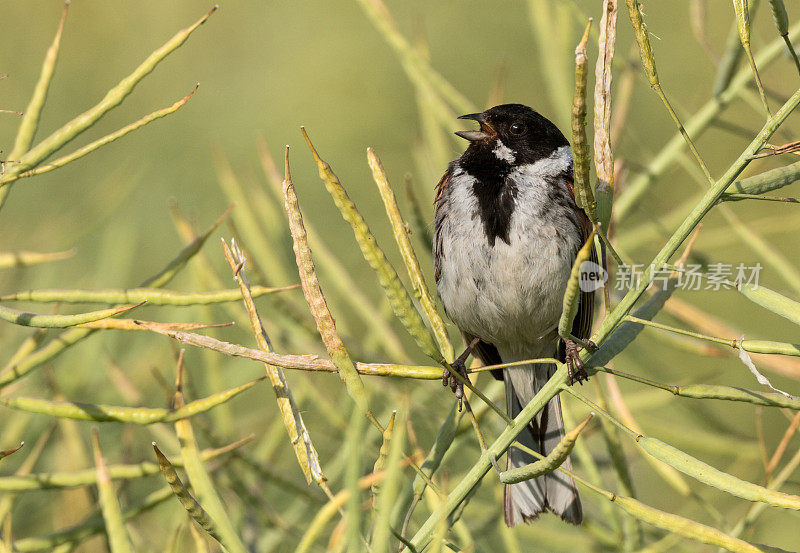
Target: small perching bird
506 234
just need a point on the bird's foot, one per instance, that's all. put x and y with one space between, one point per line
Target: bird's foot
575 369
458 366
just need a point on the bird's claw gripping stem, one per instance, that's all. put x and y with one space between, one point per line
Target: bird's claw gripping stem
575 369
459 366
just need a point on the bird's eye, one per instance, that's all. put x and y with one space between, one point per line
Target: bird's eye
517 129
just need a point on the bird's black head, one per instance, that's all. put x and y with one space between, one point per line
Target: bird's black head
513 134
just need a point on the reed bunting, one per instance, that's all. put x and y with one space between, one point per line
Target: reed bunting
506 233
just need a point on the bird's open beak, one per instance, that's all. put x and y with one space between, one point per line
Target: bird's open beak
486 129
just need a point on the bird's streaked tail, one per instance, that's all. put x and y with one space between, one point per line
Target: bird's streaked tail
555 492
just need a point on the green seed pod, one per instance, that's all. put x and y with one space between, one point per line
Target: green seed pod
713 477
570 301
643 40
189 503
580 151
550 463
780 16
773 301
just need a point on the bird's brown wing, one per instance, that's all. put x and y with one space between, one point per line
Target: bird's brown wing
438 220
582 324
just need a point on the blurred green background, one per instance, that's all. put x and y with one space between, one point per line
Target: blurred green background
264 69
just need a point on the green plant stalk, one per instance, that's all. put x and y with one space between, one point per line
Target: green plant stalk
580 151
667 473
587 462
100 142
161 279
442 443
649 64
732 343
398 296
118 539
26 259
88 477
742 11
25 318
112 99
47 352
403 240
774 258
195 510
389 490
207 275
681 526
610 428
350 292
112 413
73 336
25 468
628 331
316 299
737 197
254 215
417 68
757 184
335 504
419 219
321 518
694 126
354 446
552 25
383 453
757 508
752 346
74 535
425 79
711 391
202 483
26 347
153 296
731 56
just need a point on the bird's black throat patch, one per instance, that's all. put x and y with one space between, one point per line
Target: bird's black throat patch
496 202
496 195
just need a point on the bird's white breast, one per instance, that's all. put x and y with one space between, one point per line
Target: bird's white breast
509 293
